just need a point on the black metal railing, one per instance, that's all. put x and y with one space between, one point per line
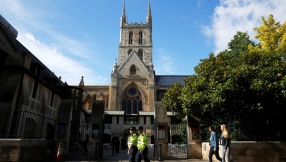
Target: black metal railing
177 147
24 124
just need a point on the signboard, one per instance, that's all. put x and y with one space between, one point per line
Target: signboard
95 131
161 132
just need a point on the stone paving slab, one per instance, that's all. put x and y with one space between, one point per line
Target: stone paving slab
121 157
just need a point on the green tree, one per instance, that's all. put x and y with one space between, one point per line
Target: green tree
245 86
239 44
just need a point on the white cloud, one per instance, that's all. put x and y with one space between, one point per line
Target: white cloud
69 70
165 63
240 15
55 50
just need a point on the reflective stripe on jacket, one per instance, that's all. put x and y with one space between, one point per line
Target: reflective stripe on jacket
132 140
142 142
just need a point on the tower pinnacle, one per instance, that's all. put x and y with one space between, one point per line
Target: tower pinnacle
149 10
149 16
123 18
123 10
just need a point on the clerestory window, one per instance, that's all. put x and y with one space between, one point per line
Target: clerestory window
132 101
130 38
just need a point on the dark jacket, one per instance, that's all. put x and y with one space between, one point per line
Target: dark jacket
115 141
225 141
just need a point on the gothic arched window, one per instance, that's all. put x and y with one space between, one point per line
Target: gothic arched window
132 101
130 38
140 37
132 70
140 54
129 51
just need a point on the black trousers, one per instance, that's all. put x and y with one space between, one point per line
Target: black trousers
132 154
142 156
115 148
214 152
123 147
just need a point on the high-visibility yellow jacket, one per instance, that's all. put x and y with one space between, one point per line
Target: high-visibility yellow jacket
142 142
132 140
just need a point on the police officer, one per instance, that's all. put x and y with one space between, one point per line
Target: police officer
132 144
142 146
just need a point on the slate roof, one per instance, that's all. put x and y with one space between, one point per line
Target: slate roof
168 80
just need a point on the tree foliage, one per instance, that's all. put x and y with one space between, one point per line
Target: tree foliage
245 84
271 35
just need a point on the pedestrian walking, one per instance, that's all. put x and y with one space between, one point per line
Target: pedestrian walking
115 144
225 142
142 146
132 144
213 145
123 144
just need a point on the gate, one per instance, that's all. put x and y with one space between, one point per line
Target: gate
177 147
78 139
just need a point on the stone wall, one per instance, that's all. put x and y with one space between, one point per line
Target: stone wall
252 151
25 150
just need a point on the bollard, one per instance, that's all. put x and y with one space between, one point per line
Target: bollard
160 144
95 154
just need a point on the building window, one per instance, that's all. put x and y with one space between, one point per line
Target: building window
108 119
55 101
31 85
117 119
140 37
132 101
160 94
144 120
132 70
131 120
129 51
49 97
130 38
140 54
40 92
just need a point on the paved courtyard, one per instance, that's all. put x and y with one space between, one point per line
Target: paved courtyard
123 157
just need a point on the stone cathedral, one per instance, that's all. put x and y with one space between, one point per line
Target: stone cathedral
134 88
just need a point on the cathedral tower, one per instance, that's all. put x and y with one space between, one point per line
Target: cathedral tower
132 78
135 37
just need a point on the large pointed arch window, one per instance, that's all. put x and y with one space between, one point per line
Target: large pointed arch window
130 41
140 37
132 101
140 54
132 70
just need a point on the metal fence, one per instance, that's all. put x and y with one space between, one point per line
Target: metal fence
177 147
25 124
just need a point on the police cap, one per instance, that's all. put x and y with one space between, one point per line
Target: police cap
139 127
132 128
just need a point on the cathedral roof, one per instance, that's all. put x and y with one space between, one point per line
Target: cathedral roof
168 80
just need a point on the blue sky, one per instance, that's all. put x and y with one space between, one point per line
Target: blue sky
75 38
